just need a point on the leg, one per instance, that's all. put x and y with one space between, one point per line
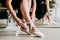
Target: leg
46 19
48 16
25 9
25 12
33 10
18 20
50 20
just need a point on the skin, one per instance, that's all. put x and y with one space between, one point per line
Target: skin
25 12
33 10
10 8
25 7
47 13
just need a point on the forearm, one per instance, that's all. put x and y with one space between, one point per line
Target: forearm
34 7
10 8
47 5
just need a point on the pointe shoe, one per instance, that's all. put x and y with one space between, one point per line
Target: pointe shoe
37 33
46 21
25 28
52 22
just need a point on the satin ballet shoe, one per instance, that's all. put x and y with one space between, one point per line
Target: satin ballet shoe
37 33
46 21
52 22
